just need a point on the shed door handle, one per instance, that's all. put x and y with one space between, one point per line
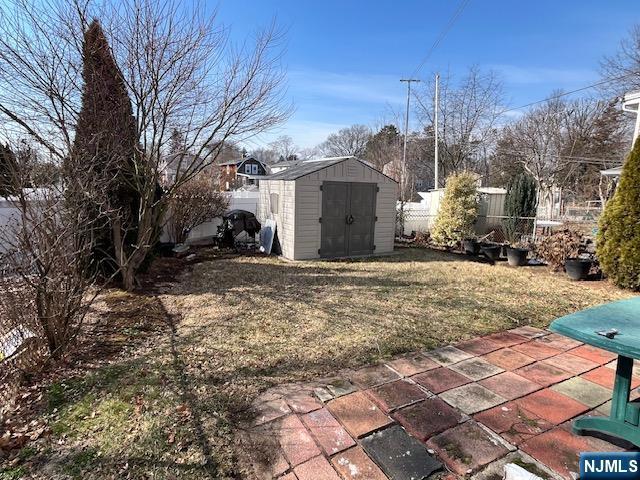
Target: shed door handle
350 219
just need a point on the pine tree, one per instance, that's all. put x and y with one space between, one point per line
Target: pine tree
521 201
7 171
618 241
458 210
105 142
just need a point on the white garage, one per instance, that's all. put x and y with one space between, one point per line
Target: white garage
330 208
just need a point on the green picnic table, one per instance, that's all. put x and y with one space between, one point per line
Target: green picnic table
622 317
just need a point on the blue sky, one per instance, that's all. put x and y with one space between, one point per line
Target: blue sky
344 58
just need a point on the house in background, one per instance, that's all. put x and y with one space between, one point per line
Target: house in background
241 173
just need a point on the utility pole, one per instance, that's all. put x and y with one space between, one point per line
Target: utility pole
436 107
403 178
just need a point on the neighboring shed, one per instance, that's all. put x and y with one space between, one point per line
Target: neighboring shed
329 208
420 216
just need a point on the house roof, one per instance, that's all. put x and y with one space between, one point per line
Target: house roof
240 161
310 166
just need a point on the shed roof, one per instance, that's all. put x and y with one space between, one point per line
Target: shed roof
305 168
310 166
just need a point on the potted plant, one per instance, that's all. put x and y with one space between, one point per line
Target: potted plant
491 250
566 249
471 246
517 254
577 268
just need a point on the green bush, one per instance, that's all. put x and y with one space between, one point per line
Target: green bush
458 210
521 201
618 240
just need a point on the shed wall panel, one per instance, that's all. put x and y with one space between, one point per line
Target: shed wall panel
285 216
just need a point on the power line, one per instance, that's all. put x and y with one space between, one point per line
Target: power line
456 14
564 94
553 97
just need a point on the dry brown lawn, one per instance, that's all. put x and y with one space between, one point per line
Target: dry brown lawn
236 326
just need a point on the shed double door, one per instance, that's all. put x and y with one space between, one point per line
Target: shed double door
348 218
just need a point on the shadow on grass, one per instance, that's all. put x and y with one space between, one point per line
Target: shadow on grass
172 406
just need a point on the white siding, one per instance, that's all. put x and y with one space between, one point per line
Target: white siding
308 200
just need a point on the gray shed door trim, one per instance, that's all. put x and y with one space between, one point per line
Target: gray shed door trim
348 218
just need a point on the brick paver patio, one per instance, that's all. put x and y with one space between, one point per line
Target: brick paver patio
459 411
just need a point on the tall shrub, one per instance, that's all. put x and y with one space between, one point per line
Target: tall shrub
105 146
458 210
618 240
521 201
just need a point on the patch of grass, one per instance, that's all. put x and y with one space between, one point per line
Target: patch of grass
26 453
55 396
76 465
244 324
13 473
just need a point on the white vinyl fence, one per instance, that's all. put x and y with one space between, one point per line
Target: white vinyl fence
420 216
238 200
7 213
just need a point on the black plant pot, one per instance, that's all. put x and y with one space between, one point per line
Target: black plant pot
492 252
577 268
517 257
471 246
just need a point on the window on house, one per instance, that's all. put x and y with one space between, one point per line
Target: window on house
254 169
247 169
274 199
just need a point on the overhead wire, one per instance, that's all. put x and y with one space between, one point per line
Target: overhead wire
443 33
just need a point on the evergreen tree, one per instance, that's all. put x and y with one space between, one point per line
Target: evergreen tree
458 210
618 241
105 143
7 171
383 147
521 201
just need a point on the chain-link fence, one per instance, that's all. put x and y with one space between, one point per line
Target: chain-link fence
503 228
495 228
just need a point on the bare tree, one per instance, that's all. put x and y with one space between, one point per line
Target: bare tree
284 147
350 141
48 278
180 69
194 203
560 141
623 67
265 155
468 114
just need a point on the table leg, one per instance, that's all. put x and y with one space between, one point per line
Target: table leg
617 423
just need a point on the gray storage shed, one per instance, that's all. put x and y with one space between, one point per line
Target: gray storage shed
330 208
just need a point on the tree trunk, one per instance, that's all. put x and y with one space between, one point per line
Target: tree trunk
128 278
